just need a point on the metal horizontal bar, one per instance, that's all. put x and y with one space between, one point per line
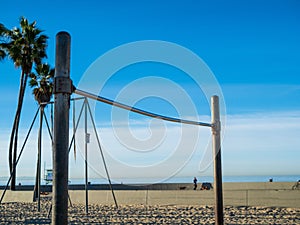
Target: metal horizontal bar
75 99
72 99
139 111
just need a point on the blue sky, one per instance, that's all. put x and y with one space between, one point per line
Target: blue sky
252 48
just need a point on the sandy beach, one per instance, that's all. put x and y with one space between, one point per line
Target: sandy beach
26 213
244 203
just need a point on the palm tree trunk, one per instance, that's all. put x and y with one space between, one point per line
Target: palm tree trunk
13 145
37 191
16 119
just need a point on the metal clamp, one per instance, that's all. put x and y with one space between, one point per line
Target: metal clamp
63 85
216 127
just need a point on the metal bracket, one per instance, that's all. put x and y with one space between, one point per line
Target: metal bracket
62 85
216 127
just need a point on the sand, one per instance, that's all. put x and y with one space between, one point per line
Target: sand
26 213
244 203
274 194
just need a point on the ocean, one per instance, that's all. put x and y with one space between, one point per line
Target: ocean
275 178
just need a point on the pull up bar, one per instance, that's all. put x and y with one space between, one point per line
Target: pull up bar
216 141
63 89
139 111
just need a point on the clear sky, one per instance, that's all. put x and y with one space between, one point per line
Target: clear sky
252 48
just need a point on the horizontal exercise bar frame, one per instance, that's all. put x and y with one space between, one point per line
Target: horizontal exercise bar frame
139 111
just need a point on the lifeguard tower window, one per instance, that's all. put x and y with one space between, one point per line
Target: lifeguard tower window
48 176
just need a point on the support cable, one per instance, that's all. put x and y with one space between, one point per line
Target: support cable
73 137
19 156
102 155
52 118
48 127
74 122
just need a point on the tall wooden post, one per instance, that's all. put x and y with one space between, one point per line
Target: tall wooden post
39 166
86 159
216 144
62 92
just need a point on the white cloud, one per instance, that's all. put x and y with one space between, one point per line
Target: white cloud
262 143
256 144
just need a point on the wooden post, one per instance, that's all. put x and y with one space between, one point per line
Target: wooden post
86 160
62 92
216 144
39 158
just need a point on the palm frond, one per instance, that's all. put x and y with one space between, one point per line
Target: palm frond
23 22
33 83
3 30
3 41
42 81
25 46
2 54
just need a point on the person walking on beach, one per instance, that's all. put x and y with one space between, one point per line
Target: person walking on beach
195 183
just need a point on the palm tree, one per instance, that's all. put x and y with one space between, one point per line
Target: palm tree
3 31
42 84
25 46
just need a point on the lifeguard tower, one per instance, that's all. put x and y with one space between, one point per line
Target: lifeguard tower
48 176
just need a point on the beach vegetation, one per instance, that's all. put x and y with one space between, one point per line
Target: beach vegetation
26 47
41 81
